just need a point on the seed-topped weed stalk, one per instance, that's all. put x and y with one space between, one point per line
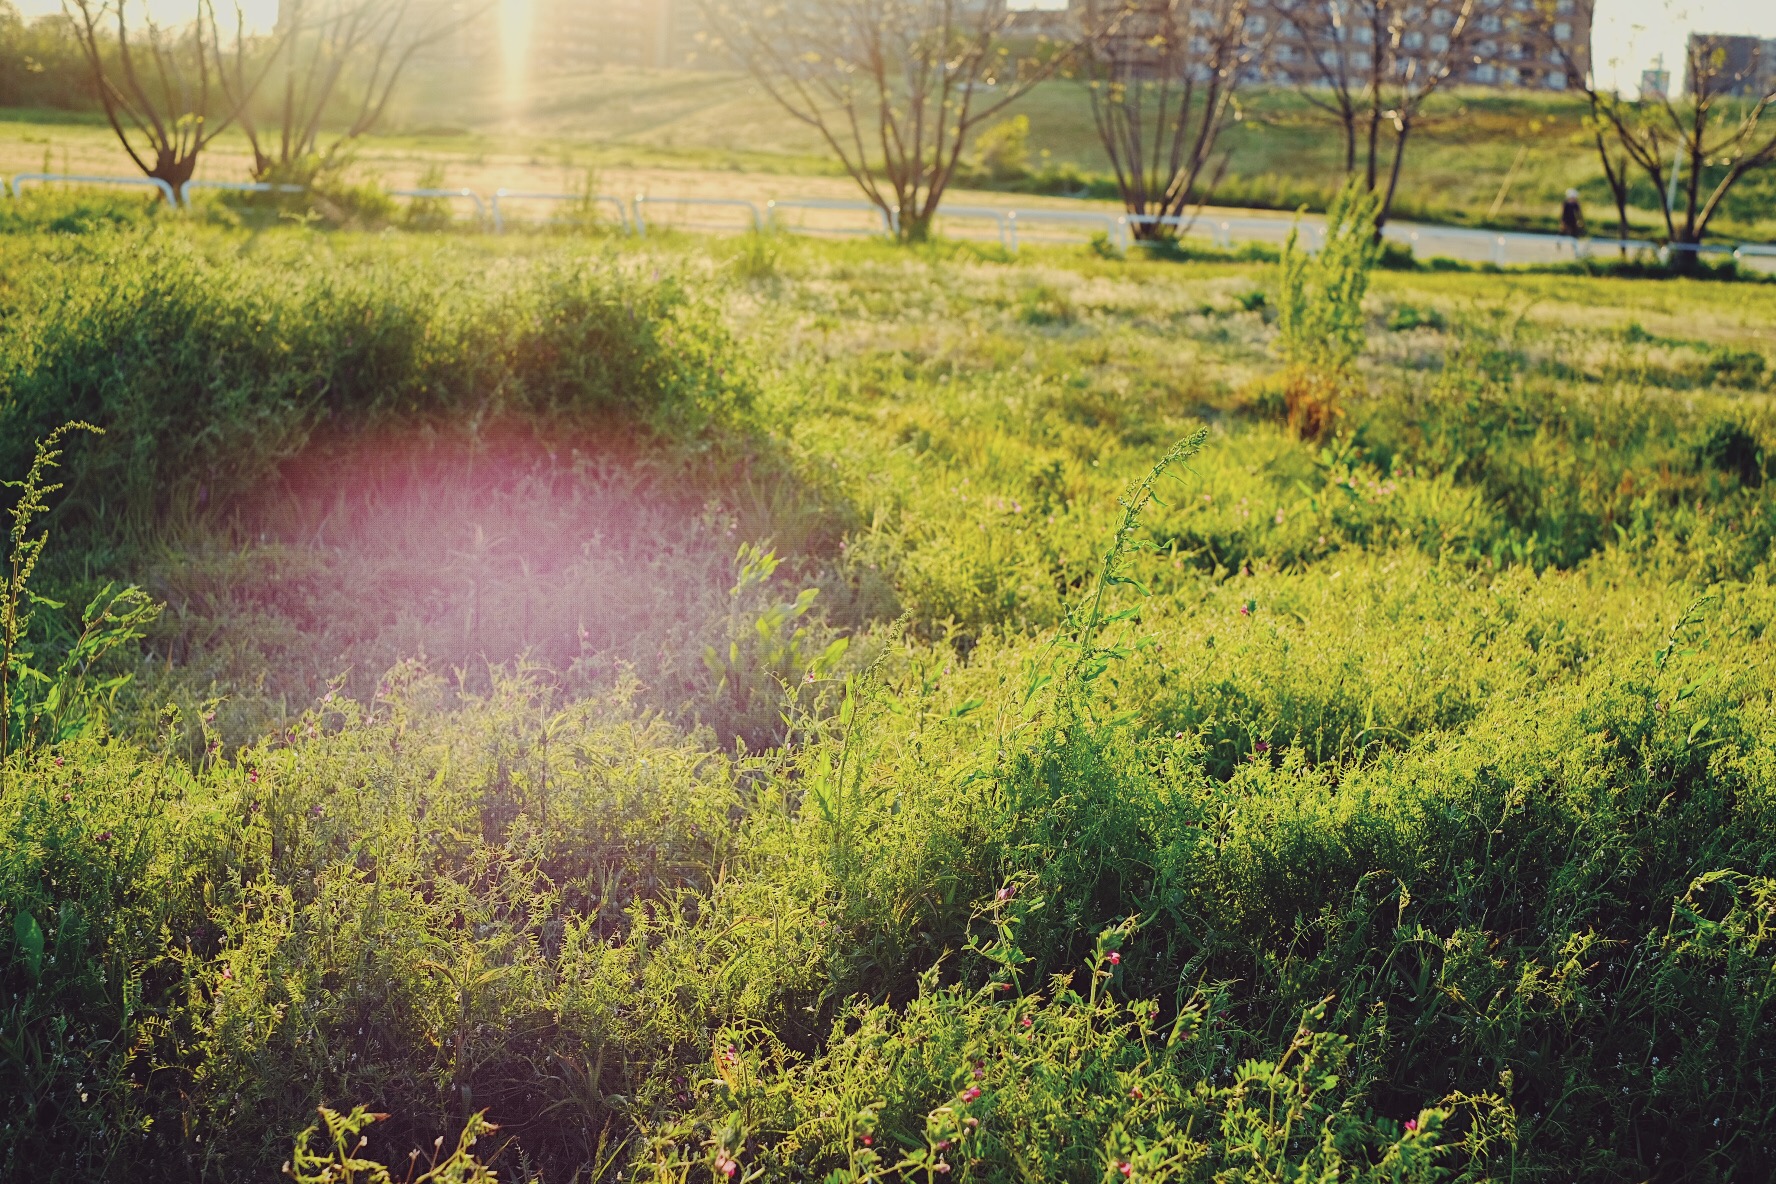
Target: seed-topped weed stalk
23 552
63 700
1087 624
1082 632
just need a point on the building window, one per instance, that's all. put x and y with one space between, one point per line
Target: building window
1363 35
1485 73
1556 80
1490 23
1256 25
1360 60
1439 43
1563 31
1413 40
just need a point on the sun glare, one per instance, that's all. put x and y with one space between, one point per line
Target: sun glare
517 27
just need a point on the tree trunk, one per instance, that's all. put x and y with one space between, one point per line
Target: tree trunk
1387 201
174 170
1684 262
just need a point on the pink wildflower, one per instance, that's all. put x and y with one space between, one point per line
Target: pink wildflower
1115 958
1411 1125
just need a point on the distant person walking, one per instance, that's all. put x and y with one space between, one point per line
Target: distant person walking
1572 219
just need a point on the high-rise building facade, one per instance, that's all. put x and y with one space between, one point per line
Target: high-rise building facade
1526 44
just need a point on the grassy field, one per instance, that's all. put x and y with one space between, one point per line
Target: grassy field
672 697
1481 158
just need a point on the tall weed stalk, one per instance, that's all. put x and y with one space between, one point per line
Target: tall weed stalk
1320 321
69 697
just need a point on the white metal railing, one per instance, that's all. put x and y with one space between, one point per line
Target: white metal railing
235 187
1006 221
997 216
21 180
642 199
594 200
1114 226
889 222
462 194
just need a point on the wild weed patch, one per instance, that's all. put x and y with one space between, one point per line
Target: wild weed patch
763 716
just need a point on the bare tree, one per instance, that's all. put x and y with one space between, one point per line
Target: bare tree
1372 65
1163 76
895 88
1693 149
1556 20
343 62
161 88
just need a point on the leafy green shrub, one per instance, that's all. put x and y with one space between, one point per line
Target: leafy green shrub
342 1158
1320 322
1728 447
63 211
1002 151
770 656
1066 1084
1743 368
1404 317
429 213
150 340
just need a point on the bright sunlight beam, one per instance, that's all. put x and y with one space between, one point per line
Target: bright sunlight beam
517 26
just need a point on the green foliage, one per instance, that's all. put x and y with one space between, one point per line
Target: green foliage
773 656
1320 323
339 1161
64 698
1002 151
1069 1084
429 213
148 339
1418 774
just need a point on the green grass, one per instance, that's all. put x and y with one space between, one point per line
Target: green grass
1474 148
647 692
1479 158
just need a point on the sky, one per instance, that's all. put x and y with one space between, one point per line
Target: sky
1629 35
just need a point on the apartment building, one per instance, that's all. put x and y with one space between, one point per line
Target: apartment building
1518 44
